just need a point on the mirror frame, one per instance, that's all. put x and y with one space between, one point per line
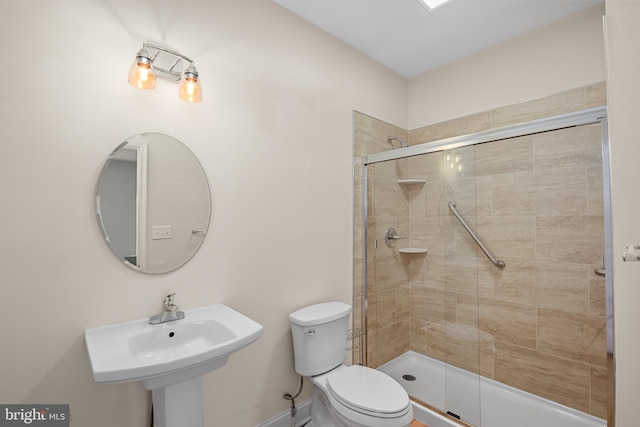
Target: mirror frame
138 148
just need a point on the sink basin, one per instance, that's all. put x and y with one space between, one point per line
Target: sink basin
169 353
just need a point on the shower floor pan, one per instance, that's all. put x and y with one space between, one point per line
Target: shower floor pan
477 400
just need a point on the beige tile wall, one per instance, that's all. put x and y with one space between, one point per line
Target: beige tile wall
537 202
370 136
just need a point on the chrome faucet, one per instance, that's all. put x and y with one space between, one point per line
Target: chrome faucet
169 313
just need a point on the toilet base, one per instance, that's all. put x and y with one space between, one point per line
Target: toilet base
321 413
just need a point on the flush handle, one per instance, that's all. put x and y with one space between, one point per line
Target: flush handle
310 332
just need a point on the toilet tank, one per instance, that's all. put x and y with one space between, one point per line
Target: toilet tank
319 334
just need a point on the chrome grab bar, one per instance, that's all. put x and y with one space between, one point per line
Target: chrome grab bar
494 261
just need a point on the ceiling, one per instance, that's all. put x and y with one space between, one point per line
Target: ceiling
410 39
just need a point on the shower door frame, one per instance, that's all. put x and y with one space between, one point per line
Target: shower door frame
551 123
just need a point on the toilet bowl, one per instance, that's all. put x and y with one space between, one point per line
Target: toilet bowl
357 396
343 396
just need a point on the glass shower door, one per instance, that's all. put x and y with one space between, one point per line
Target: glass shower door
462 342
463 325
423 280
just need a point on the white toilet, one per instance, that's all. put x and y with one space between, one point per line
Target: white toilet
343 396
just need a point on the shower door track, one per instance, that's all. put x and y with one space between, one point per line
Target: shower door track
551 123
578 118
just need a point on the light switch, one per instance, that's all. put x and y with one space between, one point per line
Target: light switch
162 232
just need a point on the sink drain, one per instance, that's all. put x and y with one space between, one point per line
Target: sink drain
408 377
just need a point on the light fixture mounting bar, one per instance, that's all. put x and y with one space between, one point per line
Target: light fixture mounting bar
165 61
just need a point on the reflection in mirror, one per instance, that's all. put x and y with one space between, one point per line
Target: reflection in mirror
153 203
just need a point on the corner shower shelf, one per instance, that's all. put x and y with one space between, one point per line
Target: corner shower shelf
411 181
413 251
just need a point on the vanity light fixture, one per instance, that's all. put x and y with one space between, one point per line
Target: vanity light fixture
158 62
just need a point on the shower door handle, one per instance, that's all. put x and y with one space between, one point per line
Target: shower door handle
600 271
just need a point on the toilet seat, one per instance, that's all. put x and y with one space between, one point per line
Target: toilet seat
368 392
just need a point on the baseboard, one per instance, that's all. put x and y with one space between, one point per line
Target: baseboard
303 415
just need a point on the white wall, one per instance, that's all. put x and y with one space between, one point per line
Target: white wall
274 135
563 55
623 93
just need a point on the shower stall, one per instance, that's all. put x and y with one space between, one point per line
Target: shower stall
482 265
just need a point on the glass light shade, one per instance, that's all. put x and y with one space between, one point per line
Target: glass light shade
190 88
141 74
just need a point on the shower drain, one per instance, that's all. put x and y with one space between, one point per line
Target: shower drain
408 377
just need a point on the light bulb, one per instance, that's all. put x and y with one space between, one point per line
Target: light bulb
190 88
141 74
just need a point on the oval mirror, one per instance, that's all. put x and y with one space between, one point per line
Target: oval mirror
153 203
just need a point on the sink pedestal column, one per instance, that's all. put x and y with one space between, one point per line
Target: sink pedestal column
178 405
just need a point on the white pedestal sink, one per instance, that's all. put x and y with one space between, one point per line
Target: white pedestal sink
170 358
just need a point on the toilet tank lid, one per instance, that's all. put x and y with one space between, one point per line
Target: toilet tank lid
320 313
